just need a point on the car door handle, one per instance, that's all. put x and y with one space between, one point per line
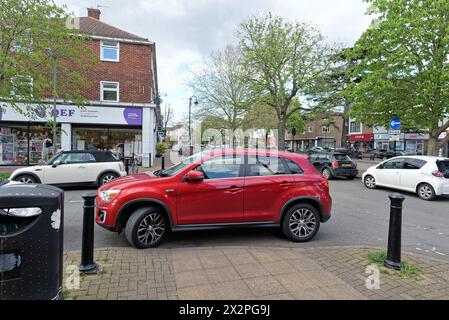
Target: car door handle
286 184
81 167
235 189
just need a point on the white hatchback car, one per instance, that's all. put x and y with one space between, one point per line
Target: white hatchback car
73 167
428 177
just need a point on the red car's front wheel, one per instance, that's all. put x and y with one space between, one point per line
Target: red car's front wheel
146 228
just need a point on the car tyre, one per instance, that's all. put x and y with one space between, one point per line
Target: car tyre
107 177
146 228
301 223
327 173
426 192
26 179
370 182
351 177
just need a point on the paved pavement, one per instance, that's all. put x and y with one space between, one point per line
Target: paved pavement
225 273
360 217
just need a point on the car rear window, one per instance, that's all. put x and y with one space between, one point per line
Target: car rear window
443 166
104 157
414 164
342 157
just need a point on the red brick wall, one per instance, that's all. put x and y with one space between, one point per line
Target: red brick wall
133 72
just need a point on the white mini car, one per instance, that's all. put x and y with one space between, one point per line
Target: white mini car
428 177
73 167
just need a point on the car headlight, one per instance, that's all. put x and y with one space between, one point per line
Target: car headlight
109 195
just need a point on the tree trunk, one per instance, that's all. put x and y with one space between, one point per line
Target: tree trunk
281 135
434 146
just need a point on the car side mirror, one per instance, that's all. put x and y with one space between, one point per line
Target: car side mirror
56 163
194 176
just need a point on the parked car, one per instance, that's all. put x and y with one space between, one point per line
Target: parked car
315 150
351 152
332 164
216 189
428 177
73 167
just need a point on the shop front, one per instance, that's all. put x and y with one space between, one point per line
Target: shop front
28 140
361 142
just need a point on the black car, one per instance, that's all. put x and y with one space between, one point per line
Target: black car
332 164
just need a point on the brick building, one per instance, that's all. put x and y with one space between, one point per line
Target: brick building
122 110
325 131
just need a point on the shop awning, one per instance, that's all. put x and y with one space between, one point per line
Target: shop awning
366 137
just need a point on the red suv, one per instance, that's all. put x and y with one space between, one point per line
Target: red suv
210 190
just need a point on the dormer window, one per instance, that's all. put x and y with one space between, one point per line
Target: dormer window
110 51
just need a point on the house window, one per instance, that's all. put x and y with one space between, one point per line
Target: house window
110 91
110 51
326 129
22 86
355 127
310 129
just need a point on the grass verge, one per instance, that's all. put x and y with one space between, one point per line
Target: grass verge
378 257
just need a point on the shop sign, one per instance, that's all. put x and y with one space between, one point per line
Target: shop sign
74 114
416 136
361 137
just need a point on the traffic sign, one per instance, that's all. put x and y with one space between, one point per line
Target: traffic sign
394 132
395 123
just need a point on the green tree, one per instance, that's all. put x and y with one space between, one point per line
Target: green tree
282 59
404 71
221 88
28 28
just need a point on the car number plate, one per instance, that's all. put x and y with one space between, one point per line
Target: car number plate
347 165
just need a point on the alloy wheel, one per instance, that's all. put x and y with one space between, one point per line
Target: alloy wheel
26 180
302 223
370 182
326 174
108 178
151 228
425 192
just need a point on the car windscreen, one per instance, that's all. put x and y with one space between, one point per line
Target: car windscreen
180 166
342 157
443 166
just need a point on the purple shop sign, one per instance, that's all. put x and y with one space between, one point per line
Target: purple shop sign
133 116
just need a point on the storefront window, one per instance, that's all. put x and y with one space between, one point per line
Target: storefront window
14 145
124 142
24 145
42 147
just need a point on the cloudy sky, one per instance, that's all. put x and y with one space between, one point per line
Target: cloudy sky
187 30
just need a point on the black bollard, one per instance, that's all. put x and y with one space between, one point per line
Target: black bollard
163 163
393 260
127 165
88 266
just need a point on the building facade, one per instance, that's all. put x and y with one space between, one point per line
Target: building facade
415 143
360 136
122 111
326 132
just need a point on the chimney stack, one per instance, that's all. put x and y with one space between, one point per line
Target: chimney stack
93 13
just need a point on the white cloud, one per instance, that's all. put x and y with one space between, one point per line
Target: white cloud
187 30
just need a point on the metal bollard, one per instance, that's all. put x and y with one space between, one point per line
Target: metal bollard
393 260
88 266
127 165
163 163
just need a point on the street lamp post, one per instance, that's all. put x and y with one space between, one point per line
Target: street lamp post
54 57
325 120
190 121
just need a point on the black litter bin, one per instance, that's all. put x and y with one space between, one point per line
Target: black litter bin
31 242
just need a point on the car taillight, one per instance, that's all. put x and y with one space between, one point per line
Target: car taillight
438 174
325 183
335 164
